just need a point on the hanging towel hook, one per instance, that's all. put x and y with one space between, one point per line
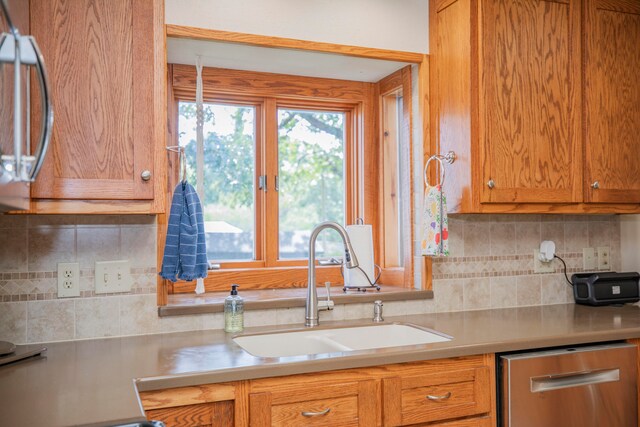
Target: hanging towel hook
182 161
448 158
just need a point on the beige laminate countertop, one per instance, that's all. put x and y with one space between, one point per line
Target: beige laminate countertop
94 382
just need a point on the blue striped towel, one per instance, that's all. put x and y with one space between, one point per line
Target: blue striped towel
185 251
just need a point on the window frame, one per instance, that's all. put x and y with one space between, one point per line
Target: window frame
364 100
266 240
266 93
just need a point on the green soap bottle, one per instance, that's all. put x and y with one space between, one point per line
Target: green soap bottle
233 311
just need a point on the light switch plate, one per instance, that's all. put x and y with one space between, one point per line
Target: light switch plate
604 258
113 277
539 266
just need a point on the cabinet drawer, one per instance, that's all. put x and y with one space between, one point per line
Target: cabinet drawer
340 411
194 406
321 403
467 422
202 415
436 396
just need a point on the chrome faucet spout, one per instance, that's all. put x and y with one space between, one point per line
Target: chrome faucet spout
311 307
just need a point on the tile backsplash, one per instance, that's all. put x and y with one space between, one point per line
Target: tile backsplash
30 310
491 262
490 265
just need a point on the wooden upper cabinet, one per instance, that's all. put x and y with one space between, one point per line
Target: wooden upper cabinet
529 109
106 67
538 99
612 101
506 98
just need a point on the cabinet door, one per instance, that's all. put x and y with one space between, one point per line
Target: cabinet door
100 55
216 414
612 107
295 403
218 405
529 104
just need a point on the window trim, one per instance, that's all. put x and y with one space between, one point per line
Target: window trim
362 100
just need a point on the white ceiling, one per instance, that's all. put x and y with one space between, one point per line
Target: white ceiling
284 61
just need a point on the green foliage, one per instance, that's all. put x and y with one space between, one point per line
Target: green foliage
311 174
228 159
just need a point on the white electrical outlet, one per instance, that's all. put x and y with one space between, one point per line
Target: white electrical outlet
68 279
113 277
589 261
603 258
539 266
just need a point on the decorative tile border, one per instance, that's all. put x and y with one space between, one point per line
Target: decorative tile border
497 266
28 276
41 285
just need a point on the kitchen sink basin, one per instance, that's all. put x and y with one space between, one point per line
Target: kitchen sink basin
332 340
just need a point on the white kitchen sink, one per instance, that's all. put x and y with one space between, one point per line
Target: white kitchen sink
332 340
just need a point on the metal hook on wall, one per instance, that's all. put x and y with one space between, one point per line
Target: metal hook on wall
182 161
448 158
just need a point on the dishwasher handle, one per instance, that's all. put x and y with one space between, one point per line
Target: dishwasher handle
576 379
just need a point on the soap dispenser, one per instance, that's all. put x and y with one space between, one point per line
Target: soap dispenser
233 311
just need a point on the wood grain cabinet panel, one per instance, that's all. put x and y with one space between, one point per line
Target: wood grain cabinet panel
529 110
215 405
106 67
462 394
539 101
467 422
218 414
612 101
436 396
313 402
506 96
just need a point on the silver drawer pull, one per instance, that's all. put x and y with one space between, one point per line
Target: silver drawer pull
316 414
577 379
441 397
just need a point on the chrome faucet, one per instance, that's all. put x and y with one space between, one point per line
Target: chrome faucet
350 261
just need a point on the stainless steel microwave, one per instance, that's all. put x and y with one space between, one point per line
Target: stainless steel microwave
21 153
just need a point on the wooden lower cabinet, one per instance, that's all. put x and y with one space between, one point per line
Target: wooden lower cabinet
456 392
314 400
467 422
453 392
214 405
200 415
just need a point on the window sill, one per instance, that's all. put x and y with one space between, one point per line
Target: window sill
213 302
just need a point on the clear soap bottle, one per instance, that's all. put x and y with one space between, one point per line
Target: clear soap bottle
233 311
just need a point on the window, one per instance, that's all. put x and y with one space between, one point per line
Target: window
229 204
393 192
311 180
282 154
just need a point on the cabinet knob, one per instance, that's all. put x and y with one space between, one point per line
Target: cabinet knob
491 184
595 185
145 175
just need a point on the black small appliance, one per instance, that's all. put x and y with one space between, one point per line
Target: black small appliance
606 288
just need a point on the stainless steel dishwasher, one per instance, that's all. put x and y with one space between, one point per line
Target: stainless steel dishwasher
582 387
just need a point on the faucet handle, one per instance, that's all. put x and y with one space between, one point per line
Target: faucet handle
328 304
328 286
